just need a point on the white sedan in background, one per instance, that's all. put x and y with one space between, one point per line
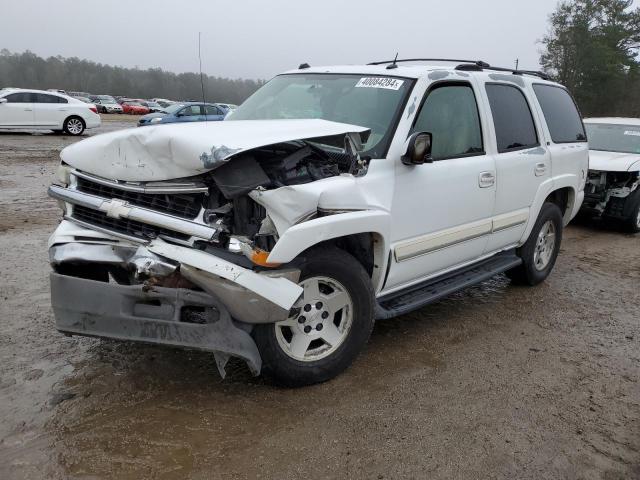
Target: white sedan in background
22 109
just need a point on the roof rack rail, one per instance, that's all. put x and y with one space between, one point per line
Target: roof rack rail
469 65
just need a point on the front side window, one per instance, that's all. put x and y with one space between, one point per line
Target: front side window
614 138
515 129
560 113
450 114
372 102
22 97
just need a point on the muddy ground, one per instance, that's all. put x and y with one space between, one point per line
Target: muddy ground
495 382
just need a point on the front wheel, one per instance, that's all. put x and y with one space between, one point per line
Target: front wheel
633 223
328 326
74 126
541 249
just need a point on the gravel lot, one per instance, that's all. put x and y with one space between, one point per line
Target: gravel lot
495 382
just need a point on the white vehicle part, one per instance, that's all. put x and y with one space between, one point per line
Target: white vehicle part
613 161
288 206
165 152
280 291
305 235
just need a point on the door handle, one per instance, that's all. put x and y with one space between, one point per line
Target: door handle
28 110
486 179
541 169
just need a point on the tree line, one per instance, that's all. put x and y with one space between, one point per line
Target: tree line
592 48
28 70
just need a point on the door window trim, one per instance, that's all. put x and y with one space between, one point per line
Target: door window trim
533 119
452 83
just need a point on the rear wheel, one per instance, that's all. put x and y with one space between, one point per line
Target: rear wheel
541 249
327 327
74 126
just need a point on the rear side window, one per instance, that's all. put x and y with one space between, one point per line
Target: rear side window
44 98
560 113
512 118
450 114
211 110
22 97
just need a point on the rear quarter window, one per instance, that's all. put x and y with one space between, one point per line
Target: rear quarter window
560 113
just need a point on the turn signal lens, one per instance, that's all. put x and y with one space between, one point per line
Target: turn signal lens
259 257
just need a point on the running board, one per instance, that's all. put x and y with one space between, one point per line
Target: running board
417 296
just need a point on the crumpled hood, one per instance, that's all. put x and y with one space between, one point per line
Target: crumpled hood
613 161
170 151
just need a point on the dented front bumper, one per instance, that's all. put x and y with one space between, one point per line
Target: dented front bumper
227 297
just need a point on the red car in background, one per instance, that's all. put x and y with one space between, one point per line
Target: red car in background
134 108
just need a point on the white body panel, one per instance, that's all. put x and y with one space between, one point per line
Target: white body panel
613 161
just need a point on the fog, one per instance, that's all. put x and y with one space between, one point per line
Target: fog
257 39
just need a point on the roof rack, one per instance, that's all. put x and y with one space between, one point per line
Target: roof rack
469 65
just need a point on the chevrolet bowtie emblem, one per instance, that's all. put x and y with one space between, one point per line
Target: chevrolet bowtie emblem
115 208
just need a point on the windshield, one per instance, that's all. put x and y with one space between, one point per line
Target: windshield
613 138
372 102
152 104
174 108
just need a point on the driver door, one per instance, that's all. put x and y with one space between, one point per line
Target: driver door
441 211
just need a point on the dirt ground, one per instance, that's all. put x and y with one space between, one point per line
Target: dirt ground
494 382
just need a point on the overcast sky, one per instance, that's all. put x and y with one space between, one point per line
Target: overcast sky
259 38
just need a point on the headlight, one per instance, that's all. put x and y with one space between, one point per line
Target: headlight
155 120
64 174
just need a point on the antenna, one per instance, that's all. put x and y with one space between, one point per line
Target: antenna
394 64
517 63
201 79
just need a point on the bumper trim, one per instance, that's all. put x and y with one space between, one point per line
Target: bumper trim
121 312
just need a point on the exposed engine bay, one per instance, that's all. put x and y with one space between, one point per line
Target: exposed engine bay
606 193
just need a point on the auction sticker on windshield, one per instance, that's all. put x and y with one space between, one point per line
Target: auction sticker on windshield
635 133
380 82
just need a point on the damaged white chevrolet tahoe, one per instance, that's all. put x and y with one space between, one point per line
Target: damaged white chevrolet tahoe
613 185
332 197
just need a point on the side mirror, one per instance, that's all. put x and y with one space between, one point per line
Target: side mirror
3 100
418 149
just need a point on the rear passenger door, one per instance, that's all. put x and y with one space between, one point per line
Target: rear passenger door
213 113
17 111
50 110
522 160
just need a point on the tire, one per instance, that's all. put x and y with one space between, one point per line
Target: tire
541 249
337 304
633 222
74 126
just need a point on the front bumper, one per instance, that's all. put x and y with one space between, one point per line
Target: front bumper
226 298
132 312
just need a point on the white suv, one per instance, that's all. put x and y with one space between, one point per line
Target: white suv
22 109
332 197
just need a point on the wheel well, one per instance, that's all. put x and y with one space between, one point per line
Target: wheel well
74 116
563 198
366 248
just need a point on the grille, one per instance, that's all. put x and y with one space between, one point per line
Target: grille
123 225
186 205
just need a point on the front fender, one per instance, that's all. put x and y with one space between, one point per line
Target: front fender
300 237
